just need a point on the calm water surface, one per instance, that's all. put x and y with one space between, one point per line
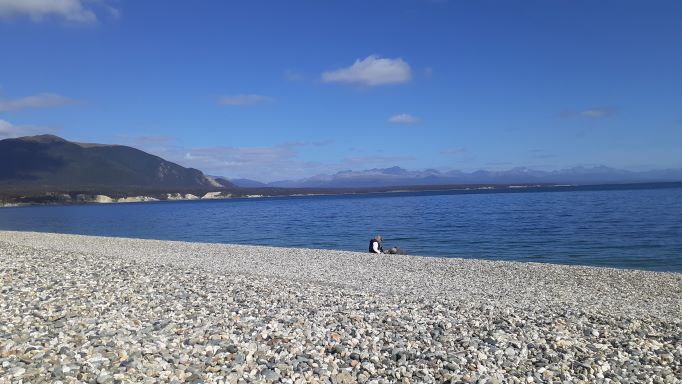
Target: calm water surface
624 228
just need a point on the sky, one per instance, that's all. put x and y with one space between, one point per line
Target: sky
272 90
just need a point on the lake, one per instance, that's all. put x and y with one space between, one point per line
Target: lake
616 226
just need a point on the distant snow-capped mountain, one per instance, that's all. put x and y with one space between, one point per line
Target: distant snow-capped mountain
397 176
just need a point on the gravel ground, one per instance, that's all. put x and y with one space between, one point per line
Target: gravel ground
105 310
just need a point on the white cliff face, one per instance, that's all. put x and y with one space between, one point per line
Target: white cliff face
174 196
9 205
212 195
180 196
103 199
136 199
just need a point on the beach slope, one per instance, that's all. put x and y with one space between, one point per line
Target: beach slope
96 309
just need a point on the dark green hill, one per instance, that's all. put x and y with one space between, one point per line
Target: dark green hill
50 163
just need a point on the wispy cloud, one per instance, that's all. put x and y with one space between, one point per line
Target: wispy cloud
371 161
9 130
372 71
113 12
244 100
597 112
293 75
591 113
263 163
44 100
403 118
77 11
234 157
453 151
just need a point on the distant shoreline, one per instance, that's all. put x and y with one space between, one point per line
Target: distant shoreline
73 198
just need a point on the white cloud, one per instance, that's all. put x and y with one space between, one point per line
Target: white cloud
37 101
9 130
263 163
39 10
403 118
371 71
243 100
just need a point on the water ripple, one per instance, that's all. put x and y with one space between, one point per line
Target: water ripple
638 228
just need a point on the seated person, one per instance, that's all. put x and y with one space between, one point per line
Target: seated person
375 245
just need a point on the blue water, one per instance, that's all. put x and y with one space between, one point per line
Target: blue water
625 228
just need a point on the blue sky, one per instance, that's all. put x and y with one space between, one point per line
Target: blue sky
273 90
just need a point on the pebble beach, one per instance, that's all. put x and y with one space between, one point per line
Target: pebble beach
116 310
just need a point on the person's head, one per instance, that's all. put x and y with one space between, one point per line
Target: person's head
377 237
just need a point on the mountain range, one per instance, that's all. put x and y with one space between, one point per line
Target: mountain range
50 163
397 176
